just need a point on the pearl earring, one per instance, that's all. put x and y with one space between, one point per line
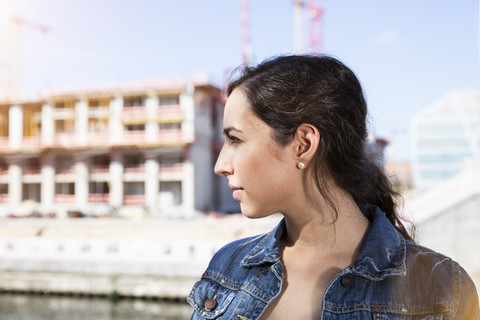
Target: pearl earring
301 165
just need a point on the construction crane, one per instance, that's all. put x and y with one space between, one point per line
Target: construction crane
298 22
245 24
10 49
315 11
314 14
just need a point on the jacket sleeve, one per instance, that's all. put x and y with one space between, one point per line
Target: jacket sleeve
467 308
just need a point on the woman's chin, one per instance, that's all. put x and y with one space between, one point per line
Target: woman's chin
253 214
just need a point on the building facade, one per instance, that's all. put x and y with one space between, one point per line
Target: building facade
145 149
446 138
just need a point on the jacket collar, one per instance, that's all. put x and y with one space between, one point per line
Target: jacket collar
267 251
383 254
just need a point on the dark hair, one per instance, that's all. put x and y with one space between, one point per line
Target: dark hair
287 91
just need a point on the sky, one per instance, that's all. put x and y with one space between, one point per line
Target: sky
407 54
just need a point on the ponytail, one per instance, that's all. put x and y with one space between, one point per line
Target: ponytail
385 197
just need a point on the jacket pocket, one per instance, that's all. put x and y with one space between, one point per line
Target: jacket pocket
211 298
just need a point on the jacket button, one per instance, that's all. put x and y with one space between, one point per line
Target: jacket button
346 281
438 309
377 308
210 304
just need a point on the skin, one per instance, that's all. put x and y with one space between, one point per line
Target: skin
266 180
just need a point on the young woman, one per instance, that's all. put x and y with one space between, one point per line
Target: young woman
295 129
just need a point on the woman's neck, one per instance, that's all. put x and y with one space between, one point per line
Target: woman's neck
318 229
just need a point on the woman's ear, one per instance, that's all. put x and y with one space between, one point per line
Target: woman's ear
306 140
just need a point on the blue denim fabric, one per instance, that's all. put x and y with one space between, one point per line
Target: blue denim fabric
392 279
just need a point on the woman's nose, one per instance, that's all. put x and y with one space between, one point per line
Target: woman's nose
223 166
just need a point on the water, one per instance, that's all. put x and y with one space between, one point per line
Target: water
37 307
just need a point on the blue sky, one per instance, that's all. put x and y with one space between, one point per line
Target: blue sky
407 53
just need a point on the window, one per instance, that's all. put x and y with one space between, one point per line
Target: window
65 188
169 100
31 191
135 127
136 101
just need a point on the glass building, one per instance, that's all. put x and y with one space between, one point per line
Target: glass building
446 138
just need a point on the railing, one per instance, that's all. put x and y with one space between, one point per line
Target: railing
137 113
66 171
134 199
98 112
3 198
134 137
4 142
64 198
99 169
163 112
97 138
31 170
171 167
65 139
137 168
99 197
71 139
63 113
171 136
170 111
32 141
171 171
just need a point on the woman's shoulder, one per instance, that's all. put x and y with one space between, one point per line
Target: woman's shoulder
441 274
420 257
424 261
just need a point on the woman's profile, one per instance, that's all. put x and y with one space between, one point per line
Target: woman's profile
295 133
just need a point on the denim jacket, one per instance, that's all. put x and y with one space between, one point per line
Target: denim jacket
392 279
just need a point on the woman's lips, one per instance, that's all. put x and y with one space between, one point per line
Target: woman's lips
237 191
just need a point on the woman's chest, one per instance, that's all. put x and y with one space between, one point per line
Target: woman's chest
266 295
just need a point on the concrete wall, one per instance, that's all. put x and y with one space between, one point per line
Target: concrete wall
138 268
455 232
201 157
159 258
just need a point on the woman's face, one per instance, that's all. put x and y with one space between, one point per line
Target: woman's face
259 171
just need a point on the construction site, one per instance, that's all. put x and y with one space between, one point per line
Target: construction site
142 149
134 162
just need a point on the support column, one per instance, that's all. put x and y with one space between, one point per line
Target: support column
47 193
14 184
188 125
152 186
188 189
151 127
81 121
116 179
115 126
15 128
81 181
48 126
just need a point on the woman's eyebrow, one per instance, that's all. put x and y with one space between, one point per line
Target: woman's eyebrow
227 131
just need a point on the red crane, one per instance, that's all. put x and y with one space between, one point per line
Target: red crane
245 23
314 9
314 14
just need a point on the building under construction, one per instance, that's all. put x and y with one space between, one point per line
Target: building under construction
145 149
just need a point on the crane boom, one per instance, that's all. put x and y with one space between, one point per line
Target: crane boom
9 50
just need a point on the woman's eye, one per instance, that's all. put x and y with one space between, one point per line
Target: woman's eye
233 140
